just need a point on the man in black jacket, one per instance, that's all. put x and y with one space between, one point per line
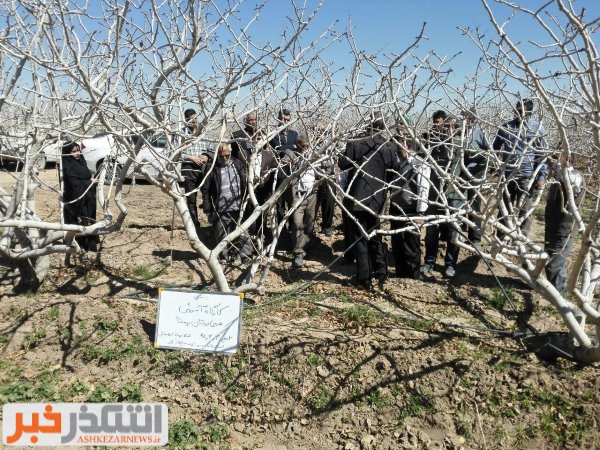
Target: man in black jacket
284 145
223 196
368 160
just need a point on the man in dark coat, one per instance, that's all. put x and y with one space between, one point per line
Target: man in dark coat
79 195
265 164
223 197
368 161
284 144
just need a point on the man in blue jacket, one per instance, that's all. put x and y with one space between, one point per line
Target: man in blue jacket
522 147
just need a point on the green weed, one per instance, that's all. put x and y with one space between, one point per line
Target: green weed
105 325
33 339
183 433
52 313
179 367
416 405
321 397
498 299
376 399
206 377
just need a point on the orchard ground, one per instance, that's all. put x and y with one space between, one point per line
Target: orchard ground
417 365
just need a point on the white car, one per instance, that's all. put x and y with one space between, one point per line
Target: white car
103 149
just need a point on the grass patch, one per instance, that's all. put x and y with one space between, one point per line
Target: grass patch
144 273
104 393
33 339
377 399
52 313
119 350
498 300
321 397
416 405
185 433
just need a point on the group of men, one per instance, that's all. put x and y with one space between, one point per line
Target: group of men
269 164
429 180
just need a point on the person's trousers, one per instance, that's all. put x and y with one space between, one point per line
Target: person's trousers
558 249
192 178
326 202
446 232
369 253
518 199
225 224
406 247
303 224
475 202
348 229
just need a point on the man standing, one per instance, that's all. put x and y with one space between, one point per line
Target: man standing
287 138
409 200
194 156
476 147
444 197
522 144
368 160
265 163
223 194
303 217
284 145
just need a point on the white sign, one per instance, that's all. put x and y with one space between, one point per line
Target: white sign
203 321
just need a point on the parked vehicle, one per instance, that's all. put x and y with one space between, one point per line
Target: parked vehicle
104 150
12 148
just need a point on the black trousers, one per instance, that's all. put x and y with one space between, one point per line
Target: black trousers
225 224
326 203
475 202
348 227
406 246
368 253
193 174
444 231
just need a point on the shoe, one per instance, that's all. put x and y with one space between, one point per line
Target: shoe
426 269
381 279
298 261
328 231
450 272
365 285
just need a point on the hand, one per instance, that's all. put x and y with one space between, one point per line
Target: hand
200 160
94 180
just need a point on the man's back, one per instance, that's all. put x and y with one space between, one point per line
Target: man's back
368 161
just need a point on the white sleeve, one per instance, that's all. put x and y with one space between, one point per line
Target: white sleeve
423 174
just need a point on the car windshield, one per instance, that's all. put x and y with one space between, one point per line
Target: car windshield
155 140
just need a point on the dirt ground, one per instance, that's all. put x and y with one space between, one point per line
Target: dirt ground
418 365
